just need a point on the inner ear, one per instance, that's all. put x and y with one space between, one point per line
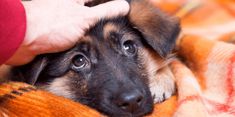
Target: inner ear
158 29
31 72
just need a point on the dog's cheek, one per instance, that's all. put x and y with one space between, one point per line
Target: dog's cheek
71 85
61 86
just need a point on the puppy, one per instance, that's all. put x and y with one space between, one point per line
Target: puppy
119 67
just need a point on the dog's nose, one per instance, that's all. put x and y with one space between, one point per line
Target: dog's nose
130 101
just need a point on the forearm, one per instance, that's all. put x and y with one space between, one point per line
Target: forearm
12 27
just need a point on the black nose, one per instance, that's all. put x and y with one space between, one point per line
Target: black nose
130 101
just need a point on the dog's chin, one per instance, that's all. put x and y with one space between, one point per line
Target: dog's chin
112 110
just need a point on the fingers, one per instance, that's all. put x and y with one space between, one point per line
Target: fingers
82 2
109 10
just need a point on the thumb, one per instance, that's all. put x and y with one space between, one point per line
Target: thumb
82 2
108 10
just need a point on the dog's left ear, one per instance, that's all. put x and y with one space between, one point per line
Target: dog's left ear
158 29
30 73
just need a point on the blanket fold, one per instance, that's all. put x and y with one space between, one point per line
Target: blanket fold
206 86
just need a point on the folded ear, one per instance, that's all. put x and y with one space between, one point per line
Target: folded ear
158 29
30 73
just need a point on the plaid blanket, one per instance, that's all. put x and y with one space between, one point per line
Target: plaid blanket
205 79
205 68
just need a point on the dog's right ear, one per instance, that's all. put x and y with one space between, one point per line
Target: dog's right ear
159 30
30 73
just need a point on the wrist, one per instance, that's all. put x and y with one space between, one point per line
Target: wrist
22 56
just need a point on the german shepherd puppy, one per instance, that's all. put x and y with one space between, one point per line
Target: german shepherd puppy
116 66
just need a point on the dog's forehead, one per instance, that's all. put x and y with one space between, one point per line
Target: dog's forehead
103 32
110 27
109 33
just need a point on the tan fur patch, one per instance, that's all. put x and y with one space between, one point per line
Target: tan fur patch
161 79
60 86
108 28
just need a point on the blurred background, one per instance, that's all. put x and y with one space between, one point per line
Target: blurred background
212 19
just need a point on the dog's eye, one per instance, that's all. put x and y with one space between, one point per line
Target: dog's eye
129 47
79 61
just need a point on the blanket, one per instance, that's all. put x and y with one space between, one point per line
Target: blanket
205 79
204 70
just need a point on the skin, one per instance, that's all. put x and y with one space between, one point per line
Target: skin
56 25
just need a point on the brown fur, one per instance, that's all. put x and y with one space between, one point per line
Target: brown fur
145 17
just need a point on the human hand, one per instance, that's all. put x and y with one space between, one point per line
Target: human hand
56 25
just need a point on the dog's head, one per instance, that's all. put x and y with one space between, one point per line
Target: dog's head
107 68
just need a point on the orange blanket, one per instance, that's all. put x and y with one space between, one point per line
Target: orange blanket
205 69
206 83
